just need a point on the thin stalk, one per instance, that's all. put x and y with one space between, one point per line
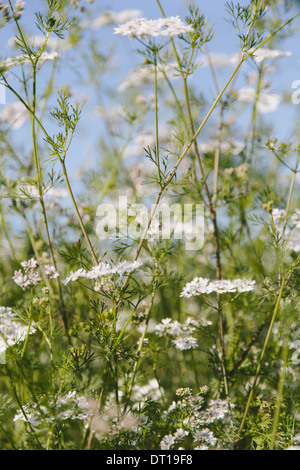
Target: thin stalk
29 323
19 402
95 259
41 198
105 377
169 178
21 33
213 214
291 188
260 362
178 104
217 157
285 345
156 117
114 170
139 359
37 256
3 225
284 358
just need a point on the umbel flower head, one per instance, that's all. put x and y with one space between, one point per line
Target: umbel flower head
172 26
30 275
11 330
102 270
200 286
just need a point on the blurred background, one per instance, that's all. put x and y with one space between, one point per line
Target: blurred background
94 41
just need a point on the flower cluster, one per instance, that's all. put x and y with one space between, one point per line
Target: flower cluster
30 275
11 62
263 54
11 330
103 270
144 74
201 285
139 395
17 12
181 332
287 228
195 418
62 408
172 26
266 102
111 17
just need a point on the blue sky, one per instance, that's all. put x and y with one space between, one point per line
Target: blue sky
225 41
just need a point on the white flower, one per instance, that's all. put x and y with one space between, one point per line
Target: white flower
216 410
61 408
295 218
30 278
14 114
30 264
144 75
264 53
181 331
150 390
74 275
111 17
102 270
50 271
185 342
11 62
167 442
30 275
219 60
278 214
171 26
180 434
291 235
234 147
57 192
266 103
39 41
201 285
293 240
11 331
205 436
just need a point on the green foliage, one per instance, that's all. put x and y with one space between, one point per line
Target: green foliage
111 341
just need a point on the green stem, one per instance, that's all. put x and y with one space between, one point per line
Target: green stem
41 197
156 117
3 225
95 259
139 359
29 323
285 352
217 157
261 359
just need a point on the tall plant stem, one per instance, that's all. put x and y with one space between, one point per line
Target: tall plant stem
217 157
213 214
157 160
95 259
138 361
37 255
3 225
284 357
29 323
262 355
41 197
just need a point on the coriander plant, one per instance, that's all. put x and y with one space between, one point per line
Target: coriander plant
149 213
